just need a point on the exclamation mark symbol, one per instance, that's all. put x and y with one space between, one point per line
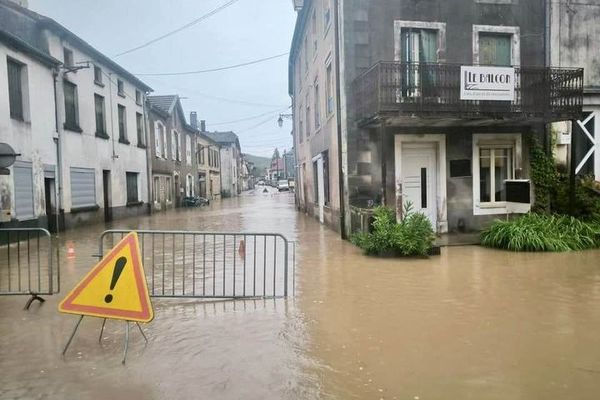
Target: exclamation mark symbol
119 265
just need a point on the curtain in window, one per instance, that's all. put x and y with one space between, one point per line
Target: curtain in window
419 46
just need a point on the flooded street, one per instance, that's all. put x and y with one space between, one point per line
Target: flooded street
472 323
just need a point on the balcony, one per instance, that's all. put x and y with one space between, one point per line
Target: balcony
422 94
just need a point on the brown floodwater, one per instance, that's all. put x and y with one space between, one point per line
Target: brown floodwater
472 323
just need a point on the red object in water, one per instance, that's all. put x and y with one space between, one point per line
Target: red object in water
70 250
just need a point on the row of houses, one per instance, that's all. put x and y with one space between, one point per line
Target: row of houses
386 110
92 144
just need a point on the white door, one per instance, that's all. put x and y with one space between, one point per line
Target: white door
318 163
419 179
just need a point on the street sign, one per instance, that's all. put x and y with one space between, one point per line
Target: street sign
115 288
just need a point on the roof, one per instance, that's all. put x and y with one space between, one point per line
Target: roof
166 104
16 43
224 138
28 26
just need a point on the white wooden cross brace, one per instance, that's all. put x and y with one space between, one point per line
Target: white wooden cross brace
590 137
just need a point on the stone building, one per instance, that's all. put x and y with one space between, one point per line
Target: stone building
429 102
230 156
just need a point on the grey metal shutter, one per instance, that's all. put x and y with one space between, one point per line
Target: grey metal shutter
23 191
83 187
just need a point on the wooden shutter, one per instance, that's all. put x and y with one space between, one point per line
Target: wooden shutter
494 49
15 89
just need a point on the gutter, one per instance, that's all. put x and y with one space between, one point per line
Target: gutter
59 167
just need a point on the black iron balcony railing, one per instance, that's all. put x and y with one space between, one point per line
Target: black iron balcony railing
394 89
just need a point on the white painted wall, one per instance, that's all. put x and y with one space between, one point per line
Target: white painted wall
85 150
32 138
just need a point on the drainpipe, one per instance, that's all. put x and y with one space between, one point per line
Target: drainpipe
148 154
339 119
547 60
112 132
59 178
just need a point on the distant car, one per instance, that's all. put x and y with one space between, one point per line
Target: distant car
283 185
292 184
261 183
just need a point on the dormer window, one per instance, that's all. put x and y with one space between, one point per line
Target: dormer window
120 88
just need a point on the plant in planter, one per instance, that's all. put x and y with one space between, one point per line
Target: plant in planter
412 236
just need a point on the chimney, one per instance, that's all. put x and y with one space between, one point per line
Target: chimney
202 126
194 119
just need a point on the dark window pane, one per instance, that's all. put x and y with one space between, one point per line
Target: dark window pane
132 187
140 128
71 117
122 124
99 107
15 89
485 182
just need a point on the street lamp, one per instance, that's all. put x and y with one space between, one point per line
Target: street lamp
281 117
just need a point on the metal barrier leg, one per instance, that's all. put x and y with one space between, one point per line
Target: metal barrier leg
142 332
34 296
72 335
102 331
126 342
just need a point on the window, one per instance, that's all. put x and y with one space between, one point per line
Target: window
164 143
177 150
68 57
329 89
326 14
174 147
300 124
495 166
188 149
325 156
71 107
156 190
418 46
306 54
83 187
495 49
120 88
23 181
100 116
200 154
168 188
159 139
317 105
314 32
138 97
98 75
15 89
132 187
307 117
139 123
496 157
122 124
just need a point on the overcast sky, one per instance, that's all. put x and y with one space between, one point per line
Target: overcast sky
246 30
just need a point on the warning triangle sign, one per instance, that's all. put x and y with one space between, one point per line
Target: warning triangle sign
115 288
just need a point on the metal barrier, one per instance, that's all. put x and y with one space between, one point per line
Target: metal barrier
212 265
27 263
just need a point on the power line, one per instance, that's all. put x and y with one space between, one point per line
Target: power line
217 98
272 112
203 71
190 24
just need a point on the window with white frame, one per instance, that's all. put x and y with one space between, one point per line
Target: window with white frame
496 45
300 124
495 160
188 149
326 14
159 139
156 191
314 32
317 105
329 89
174 136
307 122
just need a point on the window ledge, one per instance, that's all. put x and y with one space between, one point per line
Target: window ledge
139 104
124 141
98 83
72 128
102 135
75 210
134 203
142 146
121 94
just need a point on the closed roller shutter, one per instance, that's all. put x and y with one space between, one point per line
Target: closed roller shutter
83 187
23 191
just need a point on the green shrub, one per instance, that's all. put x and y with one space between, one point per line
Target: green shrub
587 203
412 236
540 232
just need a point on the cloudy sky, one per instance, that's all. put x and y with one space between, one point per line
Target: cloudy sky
243 31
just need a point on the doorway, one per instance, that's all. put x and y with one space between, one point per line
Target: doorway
419 179
50 197
319 186
106 189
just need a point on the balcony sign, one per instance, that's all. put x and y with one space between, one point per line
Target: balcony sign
487 83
